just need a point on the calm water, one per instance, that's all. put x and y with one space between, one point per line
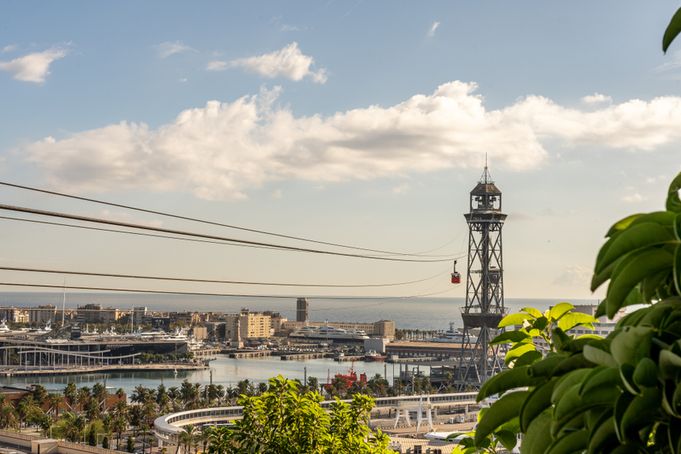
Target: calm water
226 371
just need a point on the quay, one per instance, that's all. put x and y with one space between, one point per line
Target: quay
349 358
303 356
15 372
239 354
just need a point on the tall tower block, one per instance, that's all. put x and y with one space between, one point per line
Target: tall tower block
484 307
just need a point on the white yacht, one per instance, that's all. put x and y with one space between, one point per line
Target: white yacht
454 335
329 332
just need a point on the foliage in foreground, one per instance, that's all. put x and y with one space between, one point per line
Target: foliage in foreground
286 419
621 394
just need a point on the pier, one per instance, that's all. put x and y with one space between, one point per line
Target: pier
250 354
302 356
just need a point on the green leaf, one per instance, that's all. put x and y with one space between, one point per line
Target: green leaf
670 363
634 238
673 201
631 344
645 373
641 412
527 358
507 438
538 400
500 412
532 311
569 443
573 319
632 270
513 319
537 438
598 278
510 337
677 268
622 224
518 351
559 310
598 356
506 380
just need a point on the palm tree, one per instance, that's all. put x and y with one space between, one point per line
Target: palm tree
70 395
187 437
219 440
8 415
54 400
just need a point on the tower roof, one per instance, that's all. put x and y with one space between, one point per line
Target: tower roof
486 184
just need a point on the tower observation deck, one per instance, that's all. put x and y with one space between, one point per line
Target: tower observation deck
484 306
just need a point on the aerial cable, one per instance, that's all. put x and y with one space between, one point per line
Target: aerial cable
204 221
128 232
209 281
210 237
225 295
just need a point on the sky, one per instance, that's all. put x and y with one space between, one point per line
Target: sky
357 122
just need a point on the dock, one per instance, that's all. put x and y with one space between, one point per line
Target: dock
101 369
250 354
302 356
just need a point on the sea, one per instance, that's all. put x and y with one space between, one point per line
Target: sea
424 313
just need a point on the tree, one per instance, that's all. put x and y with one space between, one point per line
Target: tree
286 419
130 444
187 437
219 441
618 394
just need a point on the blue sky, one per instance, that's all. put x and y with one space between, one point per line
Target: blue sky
359 122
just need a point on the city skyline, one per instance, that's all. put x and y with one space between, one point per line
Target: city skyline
359 123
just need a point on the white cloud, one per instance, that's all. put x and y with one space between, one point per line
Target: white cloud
573 276
433 28
168 48
596 98
216 65
33 67
401 188
288 62
225 149
8 48
633 198
277 194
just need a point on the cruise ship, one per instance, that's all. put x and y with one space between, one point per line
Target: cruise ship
330 333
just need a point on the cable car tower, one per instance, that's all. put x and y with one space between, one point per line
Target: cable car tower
484 307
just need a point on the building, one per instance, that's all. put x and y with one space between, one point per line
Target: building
254 325
42 314
381 328
95 313
302 307
186 318
139 313
423 350
15 314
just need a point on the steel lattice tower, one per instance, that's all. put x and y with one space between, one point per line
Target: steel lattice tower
484 307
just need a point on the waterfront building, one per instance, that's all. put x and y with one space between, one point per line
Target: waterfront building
95 313
42 314
302 307
424 350
254 325
381 328
14 314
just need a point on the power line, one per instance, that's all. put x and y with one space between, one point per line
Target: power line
212 281
211 237
208 222
226 295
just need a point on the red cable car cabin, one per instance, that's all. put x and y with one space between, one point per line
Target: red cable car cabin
456 277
